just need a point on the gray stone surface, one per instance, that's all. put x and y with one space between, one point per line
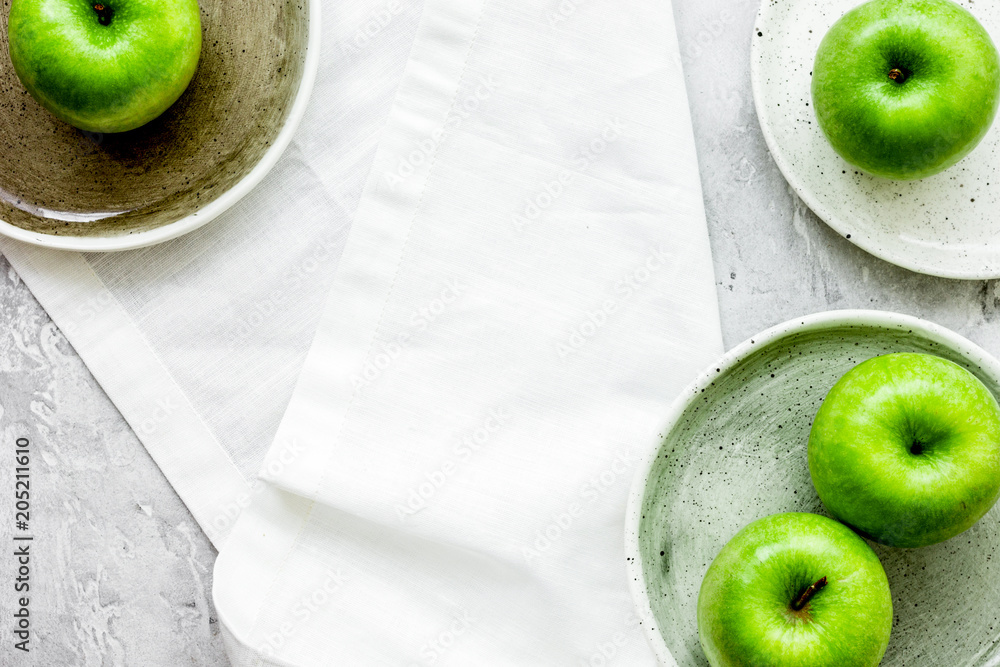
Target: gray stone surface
120 572
123 573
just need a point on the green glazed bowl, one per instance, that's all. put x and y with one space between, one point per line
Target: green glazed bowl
64 188
734 450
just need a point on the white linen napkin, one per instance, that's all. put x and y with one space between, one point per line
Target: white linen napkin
526 287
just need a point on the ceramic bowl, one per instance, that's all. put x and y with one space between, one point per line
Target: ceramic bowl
64 188
946 225
734 450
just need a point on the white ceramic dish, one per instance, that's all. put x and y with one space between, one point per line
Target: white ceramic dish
947 225
734 450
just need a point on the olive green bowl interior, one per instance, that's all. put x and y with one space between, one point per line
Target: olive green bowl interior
734 450
58 183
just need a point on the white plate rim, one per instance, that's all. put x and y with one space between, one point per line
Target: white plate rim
817 321
216 207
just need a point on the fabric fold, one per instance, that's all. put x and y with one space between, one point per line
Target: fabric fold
526 287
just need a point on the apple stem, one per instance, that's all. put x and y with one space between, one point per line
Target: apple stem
103 14
808 595
897 75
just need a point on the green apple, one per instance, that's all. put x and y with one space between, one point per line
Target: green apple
105 65
792 590
906 88
906 449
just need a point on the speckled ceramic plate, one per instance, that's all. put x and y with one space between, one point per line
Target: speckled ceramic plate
947 225
63 188
734 450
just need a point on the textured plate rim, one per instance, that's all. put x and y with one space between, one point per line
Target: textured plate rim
217 206
860 240
818 321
